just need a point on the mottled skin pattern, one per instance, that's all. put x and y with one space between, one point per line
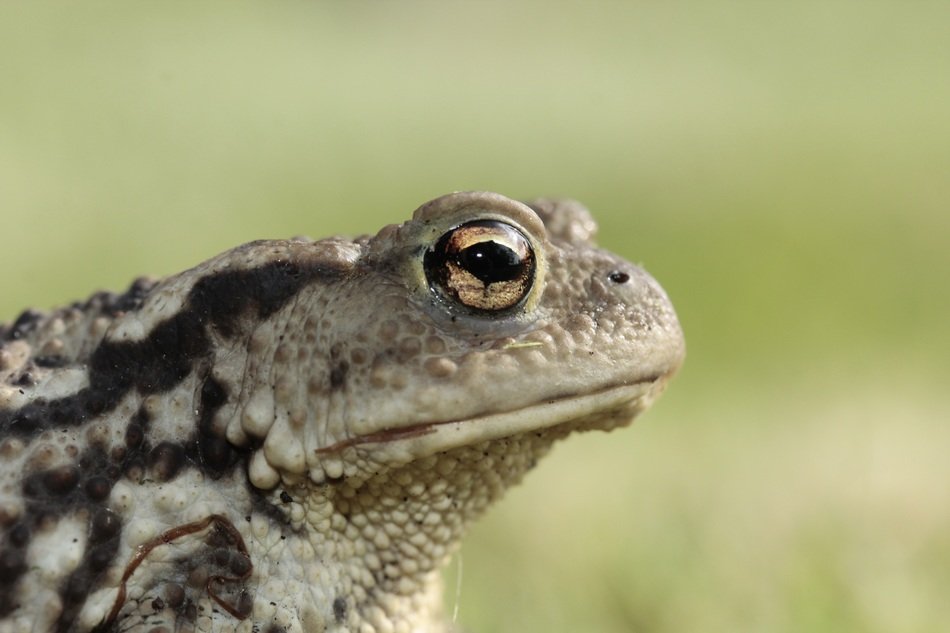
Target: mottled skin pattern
293 436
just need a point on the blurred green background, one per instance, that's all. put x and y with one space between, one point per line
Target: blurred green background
782 168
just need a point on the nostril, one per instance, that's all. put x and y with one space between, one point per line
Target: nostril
618 277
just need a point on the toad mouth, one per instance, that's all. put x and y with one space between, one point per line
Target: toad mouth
624 400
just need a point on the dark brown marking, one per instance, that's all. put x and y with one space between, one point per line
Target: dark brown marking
165 460
131 299
239 564
25 323
101 302
244 605
25 379
8 516
134 434
104 525
57 491
94 404
83 580
118 454
220 523
221 556
214 453
213 396
97 488
19 535
61 480
339 609
338 374
218 305
175 595
12 564
170 351
55 482
99 557
51 361
225 297
261 504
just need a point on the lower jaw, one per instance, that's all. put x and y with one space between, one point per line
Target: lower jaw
606 409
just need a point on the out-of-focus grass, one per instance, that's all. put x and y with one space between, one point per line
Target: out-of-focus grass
781 169
829 515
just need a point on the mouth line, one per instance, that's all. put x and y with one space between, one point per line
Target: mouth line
560 409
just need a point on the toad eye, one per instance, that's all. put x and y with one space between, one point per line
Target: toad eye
485 265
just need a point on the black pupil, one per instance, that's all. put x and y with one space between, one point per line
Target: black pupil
491 262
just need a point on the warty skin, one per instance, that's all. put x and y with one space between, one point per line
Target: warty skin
293 436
